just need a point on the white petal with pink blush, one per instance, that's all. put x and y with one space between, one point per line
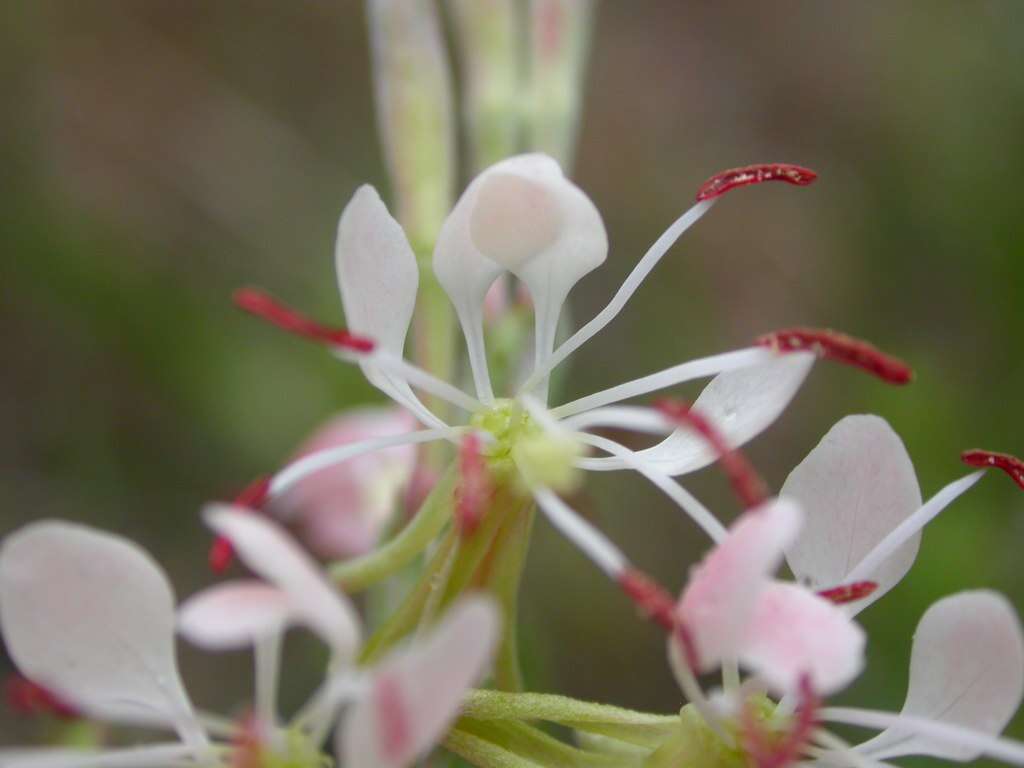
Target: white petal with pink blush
234 615
266 549
416 693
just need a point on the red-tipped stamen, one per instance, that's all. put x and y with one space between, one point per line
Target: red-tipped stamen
745 481
474 488
768 752
653 600
252 497
30 699
849 593
266 307
722 182
1010 464
842 349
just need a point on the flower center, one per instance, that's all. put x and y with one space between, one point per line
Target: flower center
523 452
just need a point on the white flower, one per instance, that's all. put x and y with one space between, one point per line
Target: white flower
90 616
523 217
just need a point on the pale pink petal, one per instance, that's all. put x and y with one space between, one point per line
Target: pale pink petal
234 614
966 669
271 553
720 598
795 633
90 616
855 487
342 511
417 692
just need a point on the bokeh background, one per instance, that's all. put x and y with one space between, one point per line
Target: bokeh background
159 153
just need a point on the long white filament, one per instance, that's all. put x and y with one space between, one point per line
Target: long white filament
594 544
472 325
318 714
149 756
911 525
686 501
632 417
626 290
413 375
321 460
267 657
677 374
993 746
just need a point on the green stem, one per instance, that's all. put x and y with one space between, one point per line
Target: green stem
536 747
404 620
361 572
510 549
639 728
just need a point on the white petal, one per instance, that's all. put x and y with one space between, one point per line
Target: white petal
522 216
378 277
417 692
720 598
855 487
377 271
90 615
966 669
233 615
272 554
146 756
796 633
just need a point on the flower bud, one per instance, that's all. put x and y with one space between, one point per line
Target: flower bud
414 112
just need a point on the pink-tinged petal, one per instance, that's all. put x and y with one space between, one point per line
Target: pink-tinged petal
966 669
417 692
522 216
234 614
855 487
741 403
90 616
719 601
342 511
265 548
795 633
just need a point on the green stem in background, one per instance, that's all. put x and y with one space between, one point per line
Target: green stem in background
503 581
525 743
361 572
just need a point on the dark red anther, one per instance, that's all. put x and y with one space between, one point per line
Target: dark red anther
722 182
252 497
30 699
653 600
842 349
1010 464
849 593
474 488
266 307
744 479
766 751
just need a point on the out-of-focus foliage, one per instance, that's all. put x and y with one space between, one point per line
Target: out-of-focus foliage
159 153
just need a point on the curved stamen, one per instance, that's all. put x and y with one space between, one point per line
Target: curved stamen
594 544
911 525
252 497
640 272
266 307
686 501
629 417
840 348
994 746
745 481
748 175
1009 464
778 754
653 600
694 369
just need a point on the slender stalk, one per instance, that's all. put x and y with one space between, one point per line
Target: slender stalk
361 572
537 747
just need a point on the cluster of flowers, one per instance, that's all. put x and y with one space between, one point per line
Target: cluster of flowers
91 618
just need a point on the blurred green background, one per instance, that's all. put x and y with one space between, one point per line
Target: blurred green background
159 153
